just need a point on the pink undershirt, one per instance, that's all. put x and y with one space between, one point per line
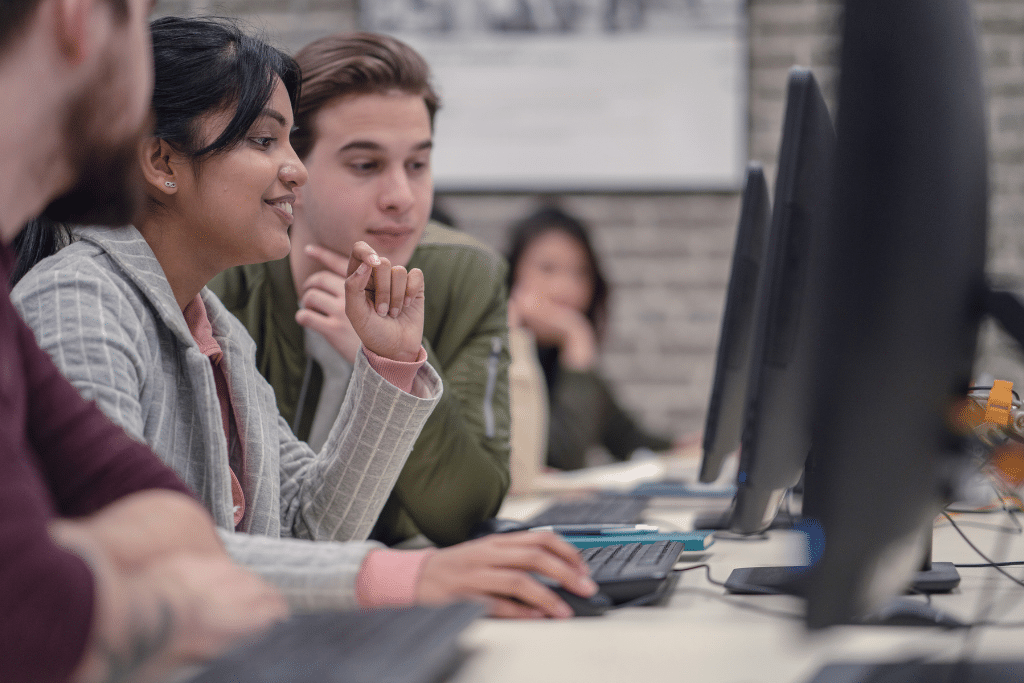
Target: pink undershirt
387 577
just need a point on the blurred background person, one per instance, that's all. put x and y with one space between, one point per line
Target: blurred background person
560 297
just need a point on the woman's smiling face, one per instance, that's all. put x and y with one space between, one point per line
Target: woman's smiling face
238 203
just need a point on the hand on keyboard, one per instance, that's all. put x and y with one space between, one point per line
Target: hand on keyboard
496 569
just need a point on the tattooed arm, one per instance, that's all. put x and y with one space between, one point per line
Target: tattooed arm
165 593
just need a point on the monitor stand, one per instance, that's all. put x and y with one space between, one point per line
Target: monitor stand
720 520
780 580
933 577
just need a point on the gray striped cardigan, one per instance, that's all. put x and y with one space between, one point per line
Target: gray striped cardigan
103 309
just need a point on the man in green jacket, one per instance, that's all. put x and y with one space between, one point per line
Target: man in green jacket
364 130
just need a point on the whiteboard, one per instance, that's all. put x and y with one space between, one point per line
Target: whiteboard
656 107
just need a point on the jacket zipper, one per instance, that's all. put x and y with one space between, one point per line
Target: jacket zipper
492 379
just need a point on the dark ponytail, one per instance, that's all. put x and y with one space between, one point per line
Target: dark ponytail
40 238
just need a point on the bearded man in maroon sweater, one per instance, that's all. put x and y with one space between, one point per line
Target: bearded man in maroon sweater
109 570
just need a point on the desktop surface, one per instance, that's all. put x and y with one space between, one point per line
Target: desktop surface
699 631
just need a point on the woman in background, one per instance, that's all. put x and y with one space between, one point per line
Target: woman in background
560 296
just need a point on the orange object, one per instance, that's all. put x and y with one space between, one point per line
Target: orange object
1008 463
1000 402
966 415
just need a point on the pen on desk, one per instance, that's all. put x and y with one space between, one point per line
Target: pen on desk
596 529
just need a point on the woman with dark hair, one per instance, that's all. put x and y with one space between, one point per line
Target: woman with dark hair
560 296
127 316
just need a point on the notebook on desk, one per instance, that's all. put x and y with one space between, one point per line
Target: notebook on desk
394 645
691 541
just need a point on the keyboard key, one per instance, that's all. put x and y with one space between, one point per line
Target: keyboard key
628 571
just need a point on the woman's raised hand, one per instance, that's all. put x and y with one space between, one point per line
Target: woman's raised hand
364 299
384 304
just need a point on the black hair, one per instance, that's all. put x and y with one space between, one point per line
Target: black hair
553 219
40 238
203 65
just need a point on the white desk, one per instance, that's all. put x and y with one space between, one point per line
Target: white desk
701 634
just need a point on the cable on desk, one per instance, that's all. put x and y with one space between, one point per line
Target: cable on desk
1015 506
995 565
1011 511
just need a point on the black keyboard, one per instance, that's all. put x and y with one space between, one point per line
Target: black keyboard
396 645
631 571
600 510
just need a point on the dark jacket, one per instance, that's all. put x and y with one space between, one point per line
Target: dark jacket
584 413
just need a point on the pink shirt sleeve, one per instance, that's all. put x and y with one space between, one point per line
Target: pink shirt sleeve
400 373
389 577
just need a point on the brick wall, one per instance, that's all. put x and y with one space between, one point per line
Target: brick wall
668 254
1002 39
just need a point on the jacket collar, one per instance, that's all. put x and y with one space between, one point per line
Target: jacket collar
129 250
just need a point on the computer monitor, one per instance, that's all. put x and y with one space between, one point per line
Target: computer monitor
724 420
776 431
901 305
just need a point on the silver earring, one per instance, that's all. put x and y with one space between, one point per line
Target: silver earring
168 183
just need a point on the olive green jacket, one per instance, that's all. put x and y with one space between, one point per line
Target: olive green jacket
458 471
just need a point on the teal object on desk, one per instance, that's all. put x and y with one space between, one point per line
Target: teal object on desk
691 540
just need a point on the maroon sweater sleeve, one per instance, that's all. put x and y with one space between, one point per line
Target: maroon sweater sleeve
59 456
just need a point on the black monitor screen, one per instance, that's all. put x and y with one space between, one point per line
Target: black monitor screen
723 423
776 431
900 313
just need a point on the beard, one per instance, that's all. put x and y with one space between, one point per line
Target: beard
109 186
108 191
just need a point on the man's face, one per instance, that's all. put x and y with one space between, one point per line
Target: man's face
105 123
369 175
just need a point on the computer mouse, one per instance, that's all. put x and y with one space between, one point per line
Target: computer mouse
496 525
594 606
